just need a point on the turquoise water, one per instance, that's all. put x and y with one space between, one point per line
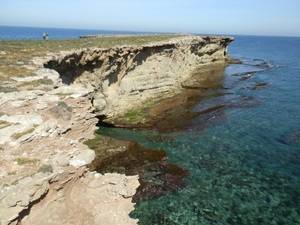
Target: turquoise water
244 166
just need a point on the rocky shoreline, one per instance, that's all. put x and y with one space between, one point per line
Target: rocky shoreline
43 160
43 130
123 78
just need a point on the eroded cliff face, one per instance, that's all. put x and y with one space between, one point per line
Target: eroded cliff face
44 126
124 78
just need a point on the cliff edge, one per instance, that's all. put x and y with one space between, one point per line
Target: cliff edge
125 77
45 122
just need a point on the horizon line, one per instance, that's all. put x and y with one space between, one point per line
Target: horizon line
149 32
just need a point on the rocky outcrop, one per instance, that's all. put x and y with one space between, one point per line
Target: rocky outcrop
44 126
125 77
85 198
43 158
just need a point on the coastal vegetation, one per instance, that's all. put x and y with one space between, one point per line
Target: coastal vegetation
16 55
138 115
4 124
23 133
23 161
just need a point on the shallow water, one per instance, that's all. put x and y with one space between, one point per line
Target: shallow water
243 159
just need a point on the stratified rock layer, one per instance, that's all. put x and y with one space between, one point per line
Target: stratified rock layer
43 159
125 77
43 127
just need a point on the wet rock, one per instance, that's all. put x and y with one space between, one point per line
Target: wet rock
259 85
247 76
234 61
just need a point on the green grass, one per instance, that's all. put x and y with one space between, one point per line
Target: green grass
63 94
7 89
36 83
64 106
24 51
23 133
95 142
12 173
137 115
24 161
46 169
4 124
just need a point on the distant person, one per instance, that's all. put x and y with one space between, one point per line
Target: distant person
45 36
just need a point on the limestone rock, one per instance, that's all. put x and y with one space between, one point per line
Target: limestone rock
99 101
88 200
18 197
42 132
83 158
128 76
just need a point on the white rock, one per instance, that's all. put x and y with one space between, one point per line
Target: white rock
20 95
49 74
99 101
17 103
27 120
83 158
73 142
62 160
97 175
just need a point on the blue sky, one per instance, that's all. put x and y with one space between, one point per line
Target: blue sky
257 17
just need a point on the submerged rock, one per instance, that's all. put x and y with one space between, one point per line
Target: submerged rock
156 176
259 85
291 138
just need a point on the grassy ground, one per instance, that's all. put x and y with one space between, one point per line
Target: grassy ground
15 54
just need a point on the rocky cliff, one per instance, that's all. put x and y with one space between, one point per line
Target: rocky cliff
44 125
125 77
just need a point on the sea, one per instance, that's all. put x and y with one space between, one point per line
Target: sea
242 159
36 33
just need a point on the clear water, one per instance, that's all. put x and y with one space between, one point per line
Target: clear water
245 168
36 33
